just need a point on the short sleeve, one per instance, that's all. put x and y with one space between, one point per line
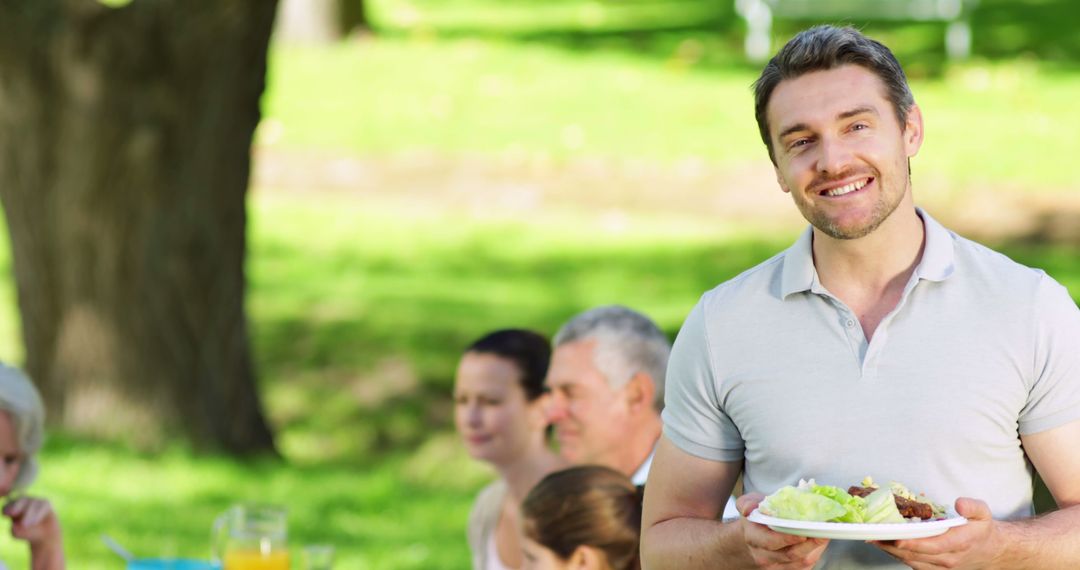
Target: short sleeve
693 418
1054 395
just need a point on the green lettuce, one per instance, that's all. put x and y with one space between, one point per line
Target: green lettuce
798 504
854 507
881 508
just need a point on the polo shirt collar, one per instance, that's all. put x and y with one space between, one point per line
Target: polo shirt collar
937 263
939 258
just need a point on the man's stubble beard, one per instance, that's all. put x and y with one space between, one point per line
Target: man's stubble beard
881 212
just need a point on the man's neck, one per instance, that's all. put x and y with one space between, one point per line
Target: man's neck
869 274
637 448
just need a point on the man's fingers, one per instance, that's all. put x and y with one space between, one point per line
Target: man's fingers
803 554
748 502
917 559
16 508
973 509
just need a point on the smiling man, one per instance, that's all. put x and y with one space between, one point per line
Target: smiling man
879 344
607 384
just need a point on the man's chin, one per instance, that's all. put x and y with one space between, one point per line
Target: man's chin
571 453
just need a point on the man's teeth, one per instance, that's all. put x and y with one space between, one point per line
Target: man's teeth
846 189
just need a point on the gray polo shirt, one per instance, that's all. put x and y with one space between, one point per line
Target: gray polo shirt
772 369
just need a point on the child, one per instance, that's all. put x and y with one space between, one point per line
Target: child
586 518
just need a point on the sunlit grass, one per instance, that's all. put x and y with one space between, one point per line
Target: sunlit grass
1009 124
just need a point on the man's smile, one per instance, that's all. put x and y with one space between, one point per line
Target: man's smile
836 190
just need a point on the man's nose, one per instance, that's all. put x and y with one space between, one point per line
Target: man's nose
834 156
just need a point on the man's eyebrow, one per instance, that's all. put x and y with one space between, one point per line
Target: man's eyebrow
793 129
858 111
844 115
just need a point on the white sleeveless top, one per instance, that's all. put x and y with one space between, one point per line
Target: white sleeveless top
493 561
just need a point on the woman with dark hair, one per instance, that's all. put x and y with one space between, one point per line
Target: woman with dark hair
499 410
582 518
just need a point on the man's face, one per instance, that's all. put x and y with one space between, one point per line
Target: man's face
840 150
591 418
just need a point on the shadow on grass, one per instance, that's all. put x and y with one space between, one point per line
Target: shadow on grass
380 372
376 376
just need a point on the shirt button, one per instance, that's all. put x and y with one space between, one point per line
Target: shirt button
850 323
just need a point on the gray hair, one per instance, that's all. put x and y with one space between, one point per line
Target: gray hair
20 399
827 47
627 342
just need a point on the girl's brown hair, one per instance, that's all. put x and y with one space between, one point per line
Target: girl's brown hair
586 506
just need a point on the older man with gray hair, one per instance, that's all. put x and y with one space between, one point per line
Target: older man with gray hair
607 381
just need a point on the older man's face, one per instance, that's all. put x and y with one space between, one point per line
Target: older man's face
591 419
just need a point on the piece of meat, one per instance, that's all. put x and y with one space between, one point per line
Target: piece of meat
907 507
857 491
913 509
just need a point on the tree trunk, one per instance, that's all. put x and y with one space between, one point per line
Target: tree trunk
125 139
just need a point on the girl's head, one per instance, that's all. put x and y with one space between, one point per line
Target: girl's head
498 394
22 429
586 517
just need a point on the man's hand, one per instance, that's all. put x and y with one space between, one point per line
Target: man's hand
976 544
771 549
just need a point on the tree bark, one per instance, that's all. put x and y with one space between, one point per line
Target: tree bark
125 138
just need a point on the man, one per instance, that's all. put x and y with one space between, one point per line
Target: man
607 383
879 344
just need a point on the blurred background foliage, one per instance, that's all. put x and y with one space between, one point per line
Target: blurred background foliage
465 165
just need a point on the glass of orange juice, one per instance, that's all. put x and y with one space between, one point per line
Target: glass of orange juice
255 560
252 537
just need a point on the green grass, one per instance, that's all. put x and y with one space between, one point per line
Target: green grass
1007 124
401 512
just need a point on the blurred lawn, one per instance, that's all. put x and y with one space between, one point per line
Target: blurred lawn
1005 123
359 305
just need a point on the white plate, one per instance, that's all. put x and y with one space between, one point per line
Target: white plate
858 531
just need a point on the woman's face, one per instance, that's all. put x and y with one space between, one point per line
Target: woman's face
11 457
491 412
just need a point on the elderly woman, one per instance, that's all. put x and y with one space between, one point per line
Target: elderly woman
22 430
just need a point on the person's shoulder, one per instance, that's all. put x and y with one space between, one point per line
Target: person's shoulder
485 512
492 493
996 267
760 280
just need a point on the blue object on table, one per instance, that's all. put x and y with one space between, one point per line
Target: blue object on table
171 564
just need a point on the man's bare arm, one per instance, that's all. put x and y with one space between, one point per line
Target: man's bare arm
684 498
1050 541
1053 540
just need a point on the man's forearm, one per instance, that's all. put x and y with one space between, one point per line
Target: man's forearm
690 544
1049 541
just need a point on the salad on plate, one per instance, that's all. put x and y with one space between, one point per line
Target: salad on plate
862 512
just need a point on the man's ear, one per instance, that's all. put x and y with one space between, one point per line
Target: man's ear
586 557
913 131
640 391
